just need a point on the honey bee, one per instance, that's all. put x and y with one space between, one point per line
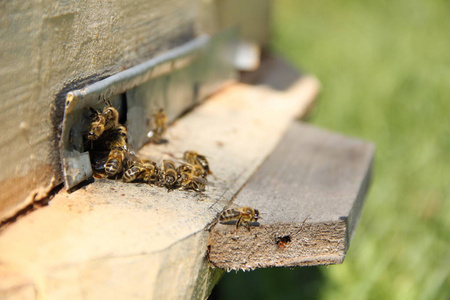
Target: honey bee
188 181
145 170
169 175
243 216
116 141
133 167
117 137
193 170
159 126
105 120
194 158
151 173
114 163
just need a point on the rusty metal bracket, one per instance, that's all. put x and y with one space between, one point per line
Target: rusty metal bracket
174 81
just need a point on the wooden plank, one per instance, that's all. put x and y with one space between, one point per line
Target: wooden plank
137 241
310 193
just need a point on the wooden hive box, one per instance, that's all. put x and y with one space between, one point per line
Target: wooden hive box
121 240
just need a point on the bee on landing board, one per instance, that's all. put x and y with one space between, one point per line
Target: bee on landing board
141 169
243 216
151 173
168 175
106 142
193 158
188 181
193 170
114 163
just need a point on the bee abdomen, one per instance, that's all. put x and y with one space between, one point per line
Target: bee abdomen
131 174
228 215
170 178
113 166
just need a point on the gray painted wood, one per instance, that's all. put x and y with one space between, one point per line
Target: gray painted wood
310 189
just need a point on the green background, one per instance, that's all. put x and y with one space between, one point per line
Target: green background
385 73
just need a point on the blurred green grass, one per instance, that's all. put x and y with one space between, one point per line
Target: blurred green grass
385 70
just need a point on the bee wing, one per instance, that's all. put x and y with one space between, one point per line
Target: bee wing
176 157
228 209
199 155
129 153
204 157
201 180
179 162
209 183
130 157
100 161
226 204
229 216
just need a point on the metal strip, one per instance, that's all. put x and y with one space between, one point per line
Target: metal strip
123 81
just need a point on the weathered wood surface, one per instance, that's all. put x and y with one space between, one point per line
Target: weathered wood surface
133 241
49 46
310 193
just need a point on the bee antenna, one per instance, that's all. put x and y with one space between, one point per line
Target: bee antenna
89 114
106 101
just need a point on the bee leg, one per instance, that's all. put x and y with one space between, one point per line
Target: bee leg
171 188
238 223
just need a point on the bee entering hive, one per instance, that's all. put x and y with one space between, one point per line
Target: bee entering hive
171 80
112 157
242 216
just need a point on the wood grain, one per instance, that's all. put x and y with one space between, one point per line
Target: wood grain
310 193
134 241
52 47
48 47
